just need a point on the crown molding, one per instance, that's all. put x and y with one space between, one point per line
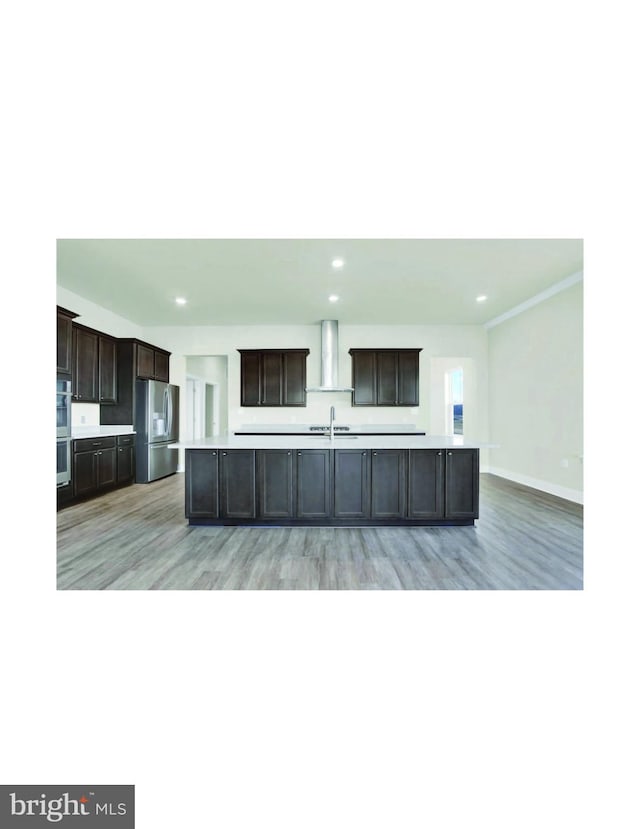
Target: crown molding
529 303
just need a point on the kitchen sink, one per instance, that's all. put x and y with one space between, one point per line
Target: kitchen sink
336 437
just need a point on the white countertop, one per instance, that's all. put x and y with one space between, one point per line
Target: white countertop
320 442
78 432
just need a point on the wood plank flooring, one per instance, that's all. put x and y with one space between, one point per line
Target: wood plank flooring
137 538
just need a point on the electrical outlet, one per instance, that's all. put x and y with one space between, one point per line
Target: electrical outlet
83 419
564 463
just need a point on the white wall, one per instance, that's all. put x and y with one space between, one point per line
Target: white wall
535 395
458 341
467 342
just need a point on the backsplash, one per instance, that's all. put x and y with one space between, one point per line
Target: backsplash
85 414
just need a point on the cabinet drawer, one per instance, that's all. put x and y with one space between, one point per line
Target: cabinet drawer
126 440
87 444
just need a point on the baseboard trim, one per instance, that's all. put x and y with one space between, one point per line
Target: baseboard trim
568 494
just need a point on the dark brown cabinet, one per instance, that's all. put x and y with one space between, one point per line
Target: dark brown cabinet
238 484
385 377
462 475
125 459
94 465
85 365
132 358
275 483
388 483
334 487
313 484
107 368
425 491
152 363
351 483
273 377
201 484
65 340
94 366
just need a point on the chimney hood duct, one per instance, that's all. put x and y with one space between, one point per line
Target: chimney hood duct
329 358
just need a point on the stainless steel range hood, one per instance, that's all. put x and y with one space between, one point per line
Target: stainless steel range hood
329 358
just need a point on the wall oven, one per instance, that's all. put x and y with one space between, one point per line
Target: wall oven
63 431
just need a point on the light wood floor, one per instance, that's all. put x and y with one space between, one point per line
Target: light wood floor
137 538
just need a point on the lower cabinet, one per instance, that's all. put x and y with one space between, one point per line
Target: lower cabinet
94 465
238 483
351 483
333 486
201 484
125 459
313 484
462 479
276 483
388 483
101 463
425 490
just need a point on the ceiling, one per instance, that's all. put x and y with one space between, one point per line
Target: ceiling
288 281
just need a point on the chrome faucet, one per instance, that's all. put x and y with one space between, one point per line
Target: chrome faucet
332 417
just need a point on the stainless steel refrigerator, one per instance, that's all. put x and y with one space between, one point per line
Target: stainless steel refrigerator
156 425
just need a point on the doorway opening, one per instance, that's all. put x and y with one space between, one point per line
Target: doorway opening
206 397
454 401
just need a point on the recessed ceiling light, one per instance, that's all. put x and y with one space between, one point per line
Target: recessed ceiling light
180 300
481 298
334 298
337 263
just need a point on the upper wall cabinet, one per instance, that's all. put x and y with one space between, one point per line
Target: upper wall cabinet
65 340
273 377
94 366
385 377
152 363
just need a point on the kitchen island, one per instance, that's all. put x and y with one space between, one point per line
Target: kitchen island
343 481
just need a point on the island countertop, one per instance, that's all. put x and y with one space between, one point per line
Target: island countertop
307 441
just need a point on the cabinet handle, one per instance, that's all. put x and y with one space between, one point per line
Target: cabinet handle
449 453
299 454
439 453
288 453
374 454
224 454
364 453
214 454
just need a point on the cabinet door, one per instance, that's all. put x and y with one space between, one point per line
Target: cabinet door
388 483
238 484
85 366
106 467
425 495
295 379
161 366
250 385
84 476
145 362
351 483
271 379
461 483
408 365
313 483
125 464
107 364
201 483
276 486
387 378
65 344
363 378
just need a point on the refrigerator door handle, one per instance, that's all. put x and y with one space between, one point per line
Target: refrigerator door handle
170 413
